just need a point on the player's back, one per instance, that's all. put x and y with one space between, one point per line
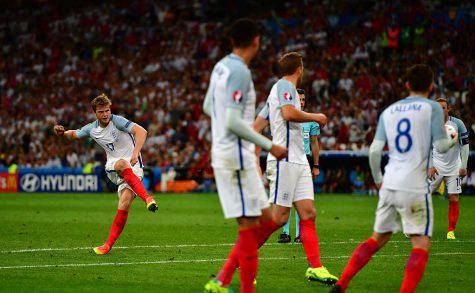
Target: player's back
231 86
408 128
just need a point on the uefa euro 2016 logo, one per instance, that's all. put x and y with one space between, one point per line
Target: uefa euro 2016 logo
237 96
287 96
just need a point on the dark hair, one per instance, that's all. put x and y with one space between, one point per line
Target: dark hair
100 100
300 91
442 100
242 32
289 63
420 77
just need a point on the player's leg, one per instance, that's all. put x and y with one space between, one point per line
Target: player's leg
285 236
297 228
454 188
308 236
360 257
247 251
255 203
265 229
416 263
385 224
126 196
123 168
417 219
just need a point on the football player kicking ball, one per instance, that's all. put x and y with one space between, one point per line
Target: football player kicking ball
450 167
408 126
122 140
230 102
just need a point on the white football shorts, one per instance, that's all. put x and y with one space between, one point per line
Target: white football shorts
241 192
289 182
415 210
453 183
117 180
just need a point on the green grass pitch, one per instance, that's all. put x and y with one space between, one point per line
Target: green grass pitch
46 241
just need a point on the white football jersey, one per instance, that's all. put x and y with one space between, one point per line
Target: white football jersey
409 126
116 139
449 163
284 133
231 87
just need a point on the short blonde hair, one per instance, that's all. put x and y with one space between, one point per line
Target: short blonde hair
100 100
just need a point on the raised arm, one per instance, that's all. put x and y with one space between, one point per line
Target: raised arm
72 134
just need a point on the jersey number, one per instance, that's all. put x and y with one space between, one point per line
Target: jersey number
403 128
110 146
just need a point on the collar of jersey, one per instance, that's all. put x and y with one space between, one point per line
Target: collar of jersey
236 57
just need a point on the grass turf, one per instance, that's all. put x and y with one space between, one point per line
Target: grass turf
178 248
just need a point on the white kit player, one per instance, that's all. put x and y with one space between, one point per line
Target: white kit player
409 127
122 141
230 102
291 179
450 167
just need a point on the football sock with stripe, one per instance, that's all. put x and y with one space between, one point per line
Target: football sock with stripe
361 256
414 270
117 226
134 182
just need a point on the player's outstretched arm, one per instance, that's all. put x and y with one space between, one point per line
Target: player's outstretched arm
60 131
290 113
236 125
140 135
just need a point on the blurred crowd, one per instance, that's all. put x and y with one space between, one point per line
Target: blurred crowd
154 61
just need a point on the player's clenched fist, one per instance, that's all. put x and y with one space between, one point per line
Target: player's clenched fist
59 129
278 152
321 119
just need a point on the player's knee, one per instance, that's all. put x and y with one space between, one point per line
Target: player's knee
453 197
121 165
309 214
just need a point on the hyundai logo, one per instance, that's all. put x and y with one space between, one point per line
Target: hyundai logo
30 182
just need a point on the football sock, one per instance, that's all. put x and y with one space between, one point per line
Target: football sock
286 228
358 260
264 230
297 224
453 214
248 260
117 227
309 239
134 182
414 270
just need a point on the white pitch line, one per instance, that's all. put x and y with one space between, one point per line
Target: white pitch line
204 245
202 260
